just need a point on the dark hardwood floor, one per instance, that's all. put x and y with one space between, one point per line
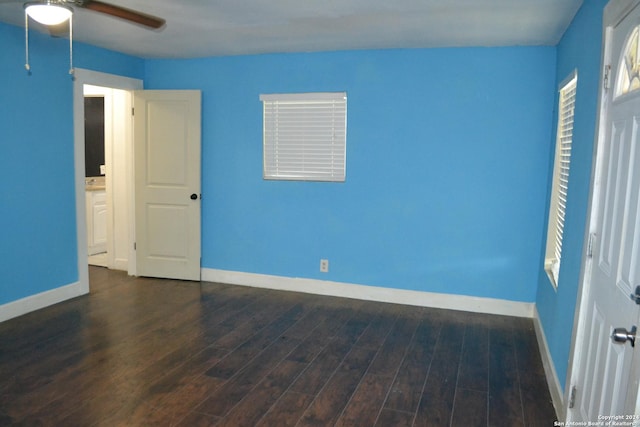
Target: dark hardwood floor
147 352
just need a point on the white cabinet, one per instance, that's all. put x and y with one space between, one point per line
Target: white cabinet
96 221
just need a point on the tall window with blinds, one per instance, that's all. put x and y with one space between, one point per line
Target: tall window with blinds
305 136
560 185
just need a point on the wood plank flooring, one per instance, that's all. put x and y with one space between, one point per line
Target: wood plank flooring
148 352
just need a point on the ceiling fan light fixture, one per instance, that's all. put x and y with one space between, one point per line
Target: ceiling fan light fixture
48 13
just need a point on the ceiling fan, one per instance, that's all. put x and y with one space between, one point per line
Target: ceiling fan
64 9
57 16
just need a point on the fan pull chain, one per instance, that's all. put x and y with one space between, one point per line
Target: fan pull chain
71 70
26 43
27 66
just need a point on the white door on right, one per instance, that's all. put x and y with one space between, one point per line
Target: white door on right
167 143
606 378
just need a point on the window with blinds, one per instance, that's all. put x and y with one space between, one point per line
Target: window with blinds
562 162
305 136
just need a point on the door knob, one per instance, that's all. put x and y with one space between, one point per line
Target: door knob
194 196
621 336
635 297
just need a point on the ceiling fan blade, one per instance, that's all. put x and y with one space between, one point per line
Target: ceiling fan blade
123 13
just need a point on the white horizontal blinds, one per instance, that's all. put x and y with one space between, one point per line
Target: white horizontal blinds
305 136
562 163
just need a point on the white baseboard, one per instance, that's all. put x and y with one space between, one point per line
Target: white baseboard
371 293
121 264
555 389
41 300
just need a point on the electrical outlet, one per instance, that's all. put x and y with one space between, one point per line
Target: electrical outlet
324 265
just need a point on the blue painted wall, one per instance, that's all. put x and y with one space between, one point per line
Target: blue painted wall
447 168
38 244
107 61
578 50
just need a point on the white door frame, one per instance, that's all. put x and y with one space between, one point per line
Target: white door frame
614 12
95 78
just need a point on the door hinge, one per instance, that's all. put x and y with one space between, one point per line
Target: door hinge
605 79
572 397
133 111
134 246
592 238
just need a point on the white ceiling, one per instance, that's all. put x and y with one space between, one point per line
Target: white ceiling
199 28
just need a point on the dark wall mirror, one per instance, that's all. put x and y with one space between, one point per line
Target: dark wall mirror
93 135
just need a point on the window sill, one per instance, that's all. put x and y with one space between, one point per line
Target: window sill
551 277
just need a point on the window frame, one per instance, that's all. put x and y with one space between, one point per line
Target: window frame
291 150
567 93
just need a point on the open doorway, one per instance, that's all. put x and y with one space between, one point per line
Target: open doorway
97 140
106 179
118 169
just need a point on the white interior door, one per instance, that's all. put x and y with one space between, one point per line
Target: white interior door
167 183
606 378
